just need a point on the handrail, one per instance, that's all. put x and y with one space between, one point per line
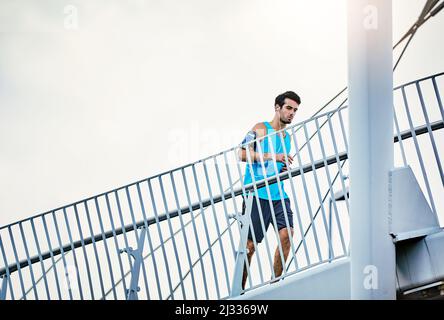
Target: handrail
418 80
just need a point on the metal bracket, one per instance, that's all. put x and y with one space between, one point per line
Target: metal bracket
3 288
241 254
410 216
337 196
131 293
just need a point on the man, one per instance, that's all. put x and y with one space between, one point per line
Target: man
286 105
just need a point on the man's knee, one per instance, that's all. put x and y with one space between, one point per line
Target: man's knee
250 247
285 238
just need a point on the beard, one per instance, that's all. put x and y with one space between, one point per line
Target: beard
286 121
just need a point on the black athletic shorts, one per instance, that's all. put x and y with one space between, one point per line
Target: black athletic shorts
266 214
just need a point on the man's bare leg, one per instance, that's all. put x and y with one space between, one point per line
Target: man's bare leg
250 252
286 245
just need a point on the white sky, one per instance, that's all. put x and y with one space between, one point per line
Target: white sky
84 111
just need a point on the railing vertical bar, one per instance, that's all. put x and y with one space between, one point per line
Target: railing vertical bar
233 198
173 240
122 224
330 225
187 191
342 179
338 162
307 198
153 202
85 256
213 209
429 129
91 232
221 190
318 191
48 240
418 151
31 272
102 230
194 263
401 144
185 238
42 266
38 281
298 213
344 134
136 234
150 243
17 261
438 97
330 183
224 202
116 243
317 211
68 228
216 282
8 274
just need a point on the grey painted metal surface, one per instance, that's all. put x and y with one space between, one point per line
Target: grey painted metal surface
328 281
410 215
420 263
371 153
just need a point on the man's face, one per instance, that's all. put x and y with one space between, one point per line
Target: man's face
287 111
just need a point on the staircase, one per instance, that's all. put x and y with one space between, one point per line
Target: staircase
180 234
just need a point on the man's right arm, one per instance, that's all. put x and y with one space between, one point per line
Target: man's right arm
258 131
254 156
249 146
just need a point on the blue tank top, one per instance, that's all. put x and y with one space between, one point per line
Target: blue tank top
269 166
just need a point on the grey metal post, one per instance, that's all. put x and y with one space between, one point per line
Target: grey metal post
135 270
370 82
241 256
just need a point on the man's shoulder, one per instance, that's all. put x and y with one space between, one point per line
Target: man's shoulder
260 128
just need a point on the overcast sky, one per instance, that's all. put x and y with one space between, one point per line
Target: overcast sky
95 93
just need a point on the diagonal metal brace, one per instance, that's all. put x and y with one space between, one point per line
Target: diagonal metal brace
135 270
241 255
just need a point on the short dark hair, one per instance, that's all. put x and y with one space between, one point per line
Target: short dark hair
280 99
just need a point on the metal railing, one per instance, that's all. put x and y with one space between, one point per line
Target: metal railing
186 226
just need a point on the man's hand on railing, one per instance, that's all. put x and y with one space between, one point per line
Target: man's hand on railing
280 157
